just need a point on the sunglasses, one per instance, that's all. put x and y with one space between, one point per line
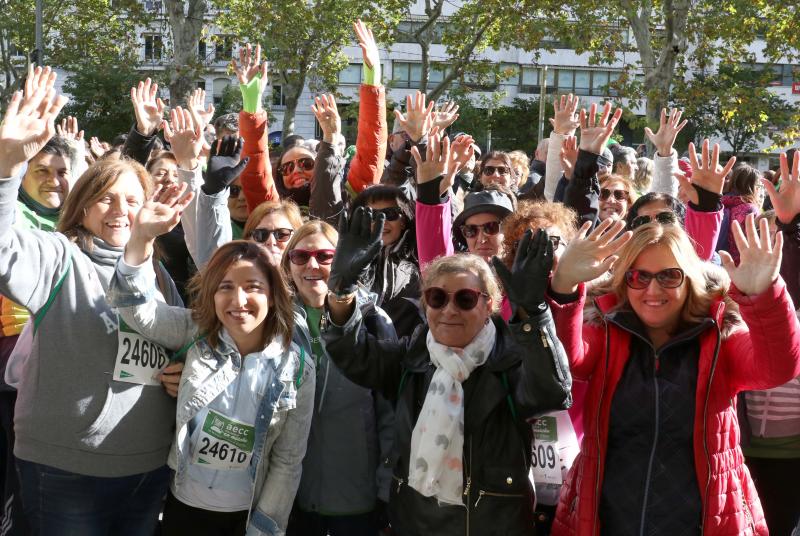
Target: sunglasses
235 190
305 164
490 170
489 228
664 218
640 279
262 235
391 213
555 240
465 299
619 195
302 256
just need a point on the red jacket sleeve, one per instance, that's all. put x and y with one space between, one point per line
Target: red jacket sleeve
583 343
433 232
256 178
703 228
366 168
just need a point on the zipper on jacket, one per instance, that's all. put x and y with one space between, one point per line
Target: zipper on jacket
483 493
597 434
544 338
705 418
469 482
399 482
652 450
748 514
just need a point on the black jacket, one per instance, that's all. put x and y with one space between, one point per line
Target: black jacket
525 375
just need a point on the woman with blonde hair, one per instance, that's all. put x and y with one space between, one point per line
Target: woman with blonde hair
668 347
272 224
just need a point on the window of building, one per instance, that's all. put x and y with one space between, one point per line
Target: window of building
201 84
350 74
224 48
599 83
404 33
202 50
153 47
530 80
277 96
220 84
582 82
509 74
406 75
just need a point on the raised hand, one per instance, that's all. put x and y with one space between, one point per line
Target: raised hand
759 259
588 257
437 159
68 129
250 66
224 164
786 201
197 101
29 121
418 119
185 136
525 284
668 130
148 108
595 135
565 120
706 172
96 147
327 115
369 48
569 155
359 244
158 215
461 152
446 115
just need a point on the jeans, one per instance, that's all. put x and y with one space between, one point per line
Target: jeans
69 504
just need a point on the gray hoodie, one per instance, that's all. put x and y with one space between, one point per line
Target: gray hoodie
70 413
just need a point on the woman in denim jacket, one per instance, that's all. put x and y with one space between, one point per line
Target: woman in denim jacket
246 392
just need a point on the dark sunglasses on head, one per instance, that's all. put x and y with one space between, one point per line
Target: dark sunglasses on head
465 299
640 279
664 218
262 235
235 190
391 213
490 170
619 195
305 164
490 228
302 256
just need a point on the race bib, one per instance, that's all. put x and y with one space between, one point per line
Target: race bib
139 360
224 443
546 464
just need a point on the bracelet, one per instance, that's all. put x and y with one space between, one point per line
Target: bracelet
341 298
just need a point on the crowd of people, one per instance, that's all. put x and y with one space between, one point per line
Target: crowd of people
203 335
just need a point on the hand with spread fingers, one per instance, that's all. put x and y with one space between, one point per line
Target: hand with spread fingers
759 259
224 164
359 244
569 155
68 129
446 115
786 200
29 121
252 75
157 216
589 256
595 134
565 120
668 129
418 119
437 159
328 117
197 102
706 172
148 108
369 48
184 134
526 283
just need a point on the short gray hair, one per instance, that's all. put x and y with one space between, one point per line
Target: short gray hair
465 263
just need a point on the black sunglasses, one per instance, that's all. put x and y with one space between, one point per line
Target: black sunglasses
555 240
664 218
262 235
619 195
490 228
301 257
668 278
235 190
391 213
465 299
490 170
305 164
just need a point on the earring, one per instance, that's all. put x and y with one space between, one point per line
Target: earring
487 322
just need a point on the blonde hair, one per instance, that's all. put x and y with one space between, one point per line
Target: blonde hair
520 160
626 182
286 207
705 283
460 264
307 229
90 188
279 322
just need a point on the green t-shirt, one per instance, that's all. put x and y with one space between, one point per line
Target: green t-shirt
314 316
237 230
773 447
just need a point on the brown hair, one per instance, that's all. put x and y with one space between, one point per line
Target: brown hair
279 322
286 207
155 158
307 229
89 189
503 157
744 181
464 263
536 215
626 182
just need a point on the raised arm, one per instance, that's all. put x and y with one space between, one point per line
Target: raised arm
257 181
366 168
326 201
149 111
565 122
786 203
666 159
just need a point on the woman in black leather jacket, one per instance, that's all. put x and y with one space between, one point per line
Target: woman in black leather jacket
464 386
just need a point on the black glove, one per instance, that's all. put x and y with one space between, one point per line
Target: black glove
527 281
223 164
359 244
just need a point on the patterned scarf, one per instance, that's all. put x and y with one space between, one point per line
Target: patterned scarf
437 443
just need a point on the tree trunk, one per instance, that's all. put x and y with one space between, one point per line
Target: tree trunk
292 90
187 27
